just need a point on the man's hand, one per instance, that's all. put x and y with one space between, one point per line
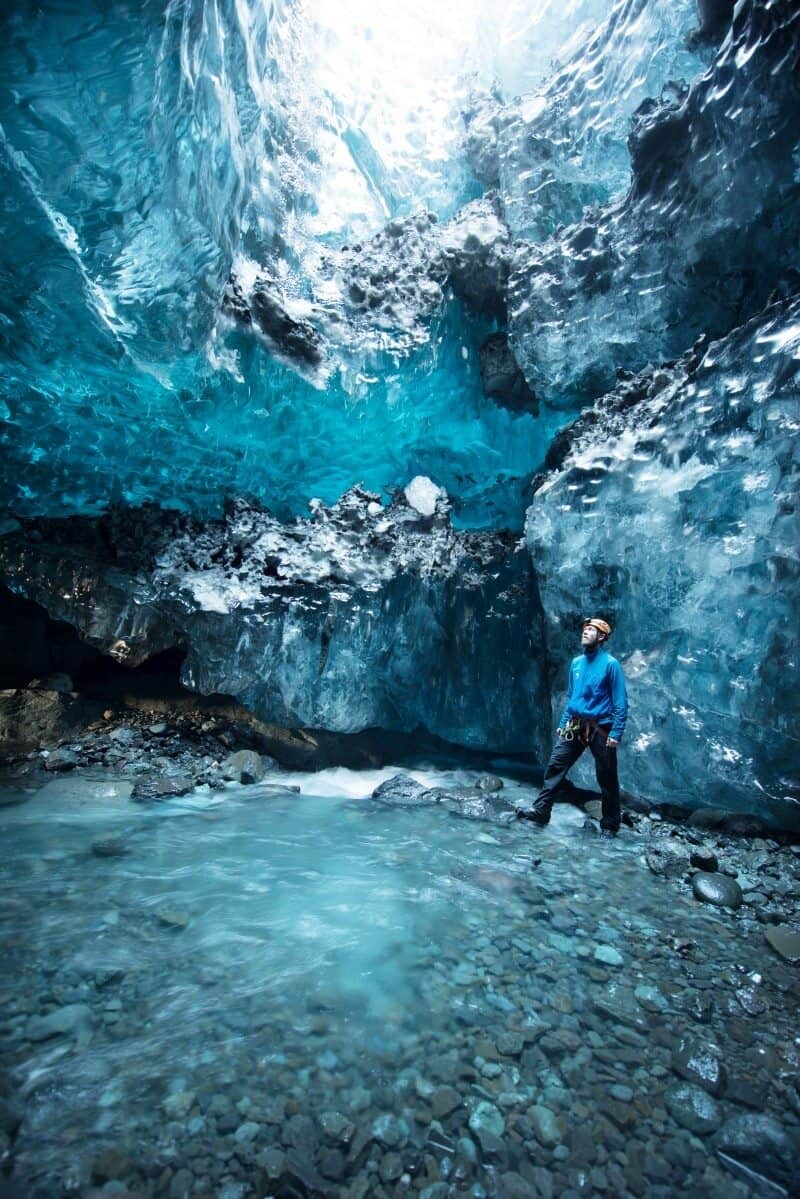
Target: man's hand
611 743
559 732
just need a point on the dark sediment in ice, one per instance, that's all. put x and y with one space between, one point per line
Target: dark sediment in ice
362 616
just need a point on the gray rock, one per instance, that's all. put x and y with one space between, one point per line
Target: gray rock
785 941
390 1167
699 1063
489 782
692 1108
172 918
247 1132
61 760
443 1101
337 1127
608 955
762 1144
402 791
666 861
545 1125
650 998
391 1131
244 766
110 847
717 889
64 1021
704 859
123 735
154 789
487 1118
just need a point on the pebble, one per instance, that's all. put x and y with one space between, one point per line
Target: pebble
704 859
762 1144
172 918
699 1063
717 889
545 1125
487 1118
692 1108
390 1130
72 1018
608 955
785 941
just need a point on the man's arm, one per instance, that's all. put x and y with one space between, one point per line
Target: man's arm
565 715
619 700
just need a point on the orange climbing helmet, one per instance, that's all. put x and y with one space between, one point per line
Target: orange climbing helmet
602 626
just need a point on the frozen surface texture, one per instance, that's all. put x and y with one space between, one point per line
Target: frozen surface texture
672 506
703 237
360 616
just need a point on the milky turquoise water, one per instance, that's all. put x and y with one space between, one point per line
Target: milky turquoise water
326 951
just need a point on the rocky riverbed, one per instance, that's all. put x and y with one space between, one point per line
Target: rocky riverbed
359 983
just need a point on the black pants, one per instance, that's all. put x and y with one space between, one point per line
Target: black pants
564 756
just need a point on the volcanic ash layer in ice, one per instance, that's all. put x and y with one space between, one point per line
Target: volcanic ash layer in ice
361 616
672 506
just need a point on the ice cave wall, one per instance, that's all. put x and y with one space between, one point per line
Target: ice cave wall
191 314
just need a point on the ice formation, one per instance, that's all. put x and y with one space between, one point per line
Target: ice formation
254 250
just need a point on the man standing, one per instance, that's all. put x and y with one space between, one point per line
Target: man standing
594 716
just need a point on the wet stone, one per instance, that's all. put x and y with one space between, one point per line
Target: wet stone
172 918
751 1000
666 862
545 1125
110 847
332 1164
443 1101
700 1064
154 789
692 1108
487 1118
64 1021
717 889
391 1131
489 782
245 766
337 1127
650 998
785 941
608 955
401 790
390 1167
61 760
704 859
762 1144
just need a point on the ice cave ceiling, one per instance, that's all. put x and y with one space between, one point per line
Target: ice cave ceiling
162 162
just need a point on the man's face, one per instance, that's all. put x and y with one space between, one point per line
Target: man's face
590 637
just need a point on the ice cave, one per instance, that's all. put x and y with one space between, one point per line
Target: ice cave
396 402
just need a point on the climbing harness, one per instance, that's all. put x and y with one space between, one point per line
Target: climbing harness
586 728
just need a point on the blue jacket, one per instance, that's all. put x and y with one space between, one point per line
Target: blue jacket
597 689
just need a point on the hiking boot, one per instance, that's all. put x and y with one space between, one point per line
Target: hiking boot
608 832
540 818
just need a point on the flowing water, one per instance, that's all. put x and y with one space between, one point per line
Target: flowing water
476 1000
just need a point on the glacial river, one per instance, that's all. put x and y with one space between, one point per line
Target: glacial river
268 992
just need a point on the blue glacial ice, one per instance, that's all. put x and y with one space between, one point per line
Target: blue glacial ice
671 505
256 251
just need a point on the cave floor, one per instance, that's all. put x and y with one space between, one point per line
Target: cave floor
262 991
